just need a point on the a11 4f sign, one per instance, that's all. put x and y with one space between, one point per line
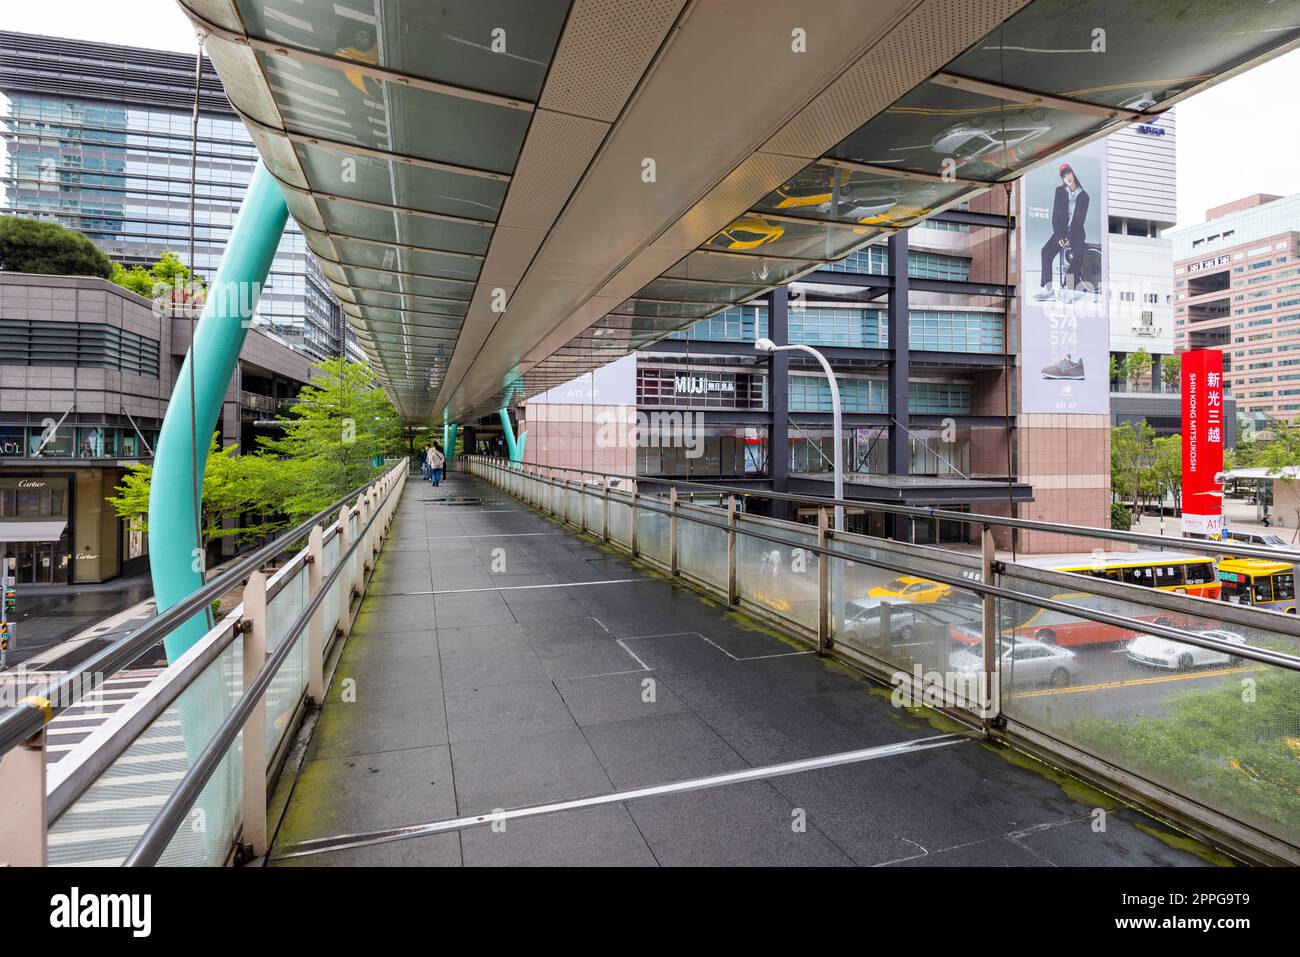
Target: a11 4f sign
1203 430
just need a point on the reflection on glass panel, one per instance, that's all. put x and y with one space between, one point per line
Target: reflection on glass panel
1049 47
322 101
377 280
670 310
407 260
703 265
684 291
751 233
935 129
408 230
400 184
499 46
853 196
414 304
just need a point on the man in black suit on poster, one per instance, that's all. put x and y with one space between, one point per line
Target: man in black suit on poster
1069 214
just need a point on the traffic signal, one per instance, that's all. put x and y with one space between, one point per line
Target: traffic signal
11 600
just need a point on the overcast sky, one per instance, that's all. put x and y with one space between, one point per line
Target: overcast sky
1233 140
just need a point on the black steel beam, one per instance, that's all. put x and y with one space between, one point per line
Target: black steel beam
778 392
965 217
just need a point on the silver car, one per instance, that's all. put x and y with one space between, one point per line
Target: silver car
1157 652
1024 661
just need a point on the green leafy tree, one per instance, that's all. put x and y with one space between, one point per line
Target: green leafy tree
334 436
1282 450
40 246
1137 367
1115 371
1171 372
167 278
1167 467
1131 454
242 495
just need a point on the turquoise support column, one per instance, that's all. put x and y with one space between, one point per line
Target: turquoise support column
218 338
512 446
449 445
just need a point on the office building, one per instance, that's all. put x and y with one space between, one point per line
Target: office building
1237 289
98 138
86 371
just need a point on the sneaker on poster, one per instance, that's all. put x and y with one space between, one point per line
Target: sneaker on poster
1046 292
1066 368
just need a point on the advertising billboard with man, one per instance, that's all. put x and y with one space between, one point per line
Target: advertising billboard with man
1064 325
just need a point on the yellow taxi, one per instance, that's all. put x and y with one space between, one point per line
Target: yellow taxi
748 232
920 591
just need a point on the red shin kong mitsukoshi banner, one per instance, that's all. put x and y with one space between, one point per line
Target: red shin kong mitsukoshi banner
1203 428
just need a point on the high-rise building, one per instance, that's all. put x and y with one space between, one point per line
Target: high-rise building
1237 289
98 138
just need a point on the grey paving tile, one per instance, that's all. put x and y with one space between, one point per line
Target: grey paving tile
394 613
491 712
736 825
660 749
561 629
585 656
618 697
545 610
595 837
435 850
526 769
345 795
689 651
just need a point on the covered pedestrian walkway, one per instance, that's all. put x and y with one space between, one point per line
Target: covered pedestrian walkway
503 670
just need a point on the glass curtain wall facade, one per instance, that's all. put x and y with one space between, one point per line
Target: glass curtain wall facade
98 138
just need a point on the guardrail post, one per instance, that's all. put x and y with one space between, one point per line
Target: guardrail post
823 586
316 627
672 531
22 804
732 592
989 628
367 547
632 535
604 507
254 735
345 572
582 504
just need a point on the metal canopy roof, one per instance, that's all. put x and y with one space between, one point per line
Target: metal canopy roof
506 194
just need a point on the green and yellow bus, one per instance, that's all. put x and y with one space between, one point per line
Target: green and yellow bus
1258 582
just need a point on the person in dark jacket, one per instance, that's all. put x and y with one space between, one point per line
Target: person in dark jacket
1069 214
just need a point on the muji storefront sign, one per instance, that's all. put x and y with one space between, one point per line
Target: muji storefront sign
1202 375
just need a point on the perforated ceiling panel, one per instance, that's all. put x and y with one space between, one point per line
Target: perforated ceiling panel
606 49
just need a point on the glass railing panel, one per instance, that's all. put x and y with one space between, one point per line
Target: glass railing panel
104 823
330 606
780 577
1214 727
905 619
290 681
594 508
702 549
620 519
652 530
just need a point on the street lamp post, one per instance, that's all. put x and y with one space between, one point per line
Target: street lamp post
767 345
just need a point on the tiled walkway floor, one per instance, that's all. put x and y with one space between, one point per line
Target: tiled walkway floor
463 691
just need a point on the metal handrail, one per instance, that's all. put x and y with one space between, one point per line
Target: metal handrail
30 715
1261 655
969 518
149 848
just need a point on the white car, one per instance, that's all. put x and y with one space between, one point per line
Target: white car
1025 661
1158 652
